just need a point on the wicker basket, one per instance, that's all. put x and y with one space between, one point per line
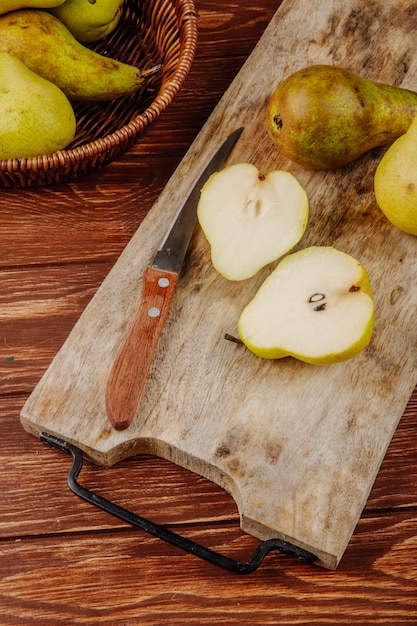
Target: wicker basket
150 32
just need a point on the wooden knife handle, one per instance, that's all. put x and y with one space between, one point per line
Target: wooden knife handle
131 366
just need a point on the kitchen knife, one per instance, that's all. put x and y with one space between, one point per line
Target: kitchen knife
133 361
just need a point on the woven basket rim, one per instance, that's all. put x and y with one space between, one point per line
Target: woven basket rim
188 41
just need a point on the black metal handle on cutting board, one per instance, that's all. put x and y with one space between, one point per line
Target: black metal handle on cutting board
162 533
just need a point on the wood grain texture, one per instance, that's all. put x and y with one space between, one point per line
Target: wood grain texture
151 481
62 561
119 592
298 458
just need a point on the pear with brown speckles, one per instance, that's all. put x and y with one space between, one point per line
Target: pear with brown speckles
35 115
48 48
14 5
324 117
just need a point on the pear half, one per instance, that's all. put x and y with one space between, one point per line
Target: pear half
395 182
250 219
316 306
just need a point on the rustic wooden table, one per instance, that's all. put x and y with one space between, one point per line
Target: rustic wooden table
63 561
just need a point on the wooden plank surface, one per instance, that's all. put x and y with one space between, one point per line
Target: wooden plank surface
61 560
298 458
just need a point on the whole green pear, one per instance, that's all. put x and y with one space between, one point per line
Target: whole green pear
36 117
395 181
14 5
48 48
89 21
324 117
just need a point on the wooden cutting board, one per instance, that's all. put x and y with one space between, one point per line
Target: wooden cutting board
298 446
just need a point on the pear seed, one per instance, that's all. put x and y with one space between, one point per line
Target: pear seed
354 288
320 307
258 207
316 297
254 206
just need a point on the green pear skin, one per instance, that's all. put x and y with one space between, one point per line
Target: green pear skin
395 182
14 5
324 117
36 117
89 21
48 48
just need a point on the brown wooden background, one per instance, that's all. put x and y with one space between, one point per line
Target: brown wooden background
61 561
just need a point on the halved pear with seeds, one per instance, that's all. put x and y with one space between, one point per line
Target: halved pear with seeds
250 219
316 306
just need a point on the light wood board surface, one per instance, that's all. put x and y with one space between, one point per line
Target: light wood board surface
297 446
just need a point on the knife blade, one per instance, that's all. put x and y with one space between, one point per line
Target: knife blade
130 368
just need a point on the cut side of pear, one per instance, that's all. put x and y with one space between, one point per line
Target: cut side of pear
316 306
249 219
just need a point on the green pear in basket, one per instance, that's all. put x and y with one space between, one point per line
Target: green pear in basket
35 115
48 48
89 21
14 5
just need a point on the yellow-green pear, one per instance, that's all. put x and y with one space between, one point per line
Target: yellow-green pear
395 181
89 21
48 48
324 116
251 219
36 117
316 306
14 5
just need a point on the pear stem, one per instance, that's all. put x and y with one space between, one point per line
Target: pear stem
151 71
233 339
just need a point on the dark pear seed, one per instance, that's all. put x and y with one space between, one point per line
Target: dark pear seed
316 297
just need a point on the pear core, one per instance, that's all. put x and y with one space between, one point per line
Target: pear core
315 306
250 219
